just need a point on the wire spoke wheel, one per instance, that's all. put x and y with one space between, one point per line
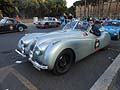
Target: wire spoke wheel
20 28
63 62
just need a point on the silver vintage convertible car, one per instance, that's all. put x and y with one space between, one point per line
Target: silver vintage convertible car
57 51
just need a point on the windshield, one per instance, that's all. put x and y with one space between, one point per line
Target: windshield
112 23
77 25
70 25
82 26
49 19
3 21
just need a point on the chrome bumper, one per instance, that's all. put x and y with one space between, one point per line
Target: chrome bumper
23 55
37 65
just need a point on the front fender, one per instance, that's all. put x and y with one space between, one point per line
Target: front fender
54 49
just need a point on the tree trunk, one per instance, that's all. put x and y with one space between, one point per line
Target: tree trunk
98 8
93 10
108 14
102 9
117 9
88 10
80 10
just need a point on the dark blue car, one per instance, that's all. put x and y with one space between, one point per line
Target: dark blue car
113 28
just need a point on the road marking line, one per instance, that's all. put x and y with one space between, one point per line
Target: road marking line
23 80
3 75
4 71
6 67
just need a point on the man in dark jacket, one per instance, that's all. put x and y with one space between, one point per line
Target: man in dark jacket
95 29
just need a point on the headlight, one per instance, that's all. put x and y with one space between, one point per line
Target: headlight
38 51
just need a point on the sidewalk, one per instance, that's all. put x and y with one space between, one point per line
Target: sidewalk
110 80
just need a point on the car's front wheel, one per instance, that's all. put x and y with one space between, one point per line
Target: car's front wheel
63 62
20 28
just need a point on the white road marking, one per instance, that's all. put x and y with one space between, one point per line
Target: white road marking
23 80
8 69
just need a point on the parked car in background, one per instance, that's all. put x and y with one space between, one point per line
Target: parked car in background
11 25
57 51
113 28
48 22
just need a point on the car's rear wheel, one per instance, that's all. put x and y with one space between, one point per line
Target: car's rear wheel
46 25
58 24
63 62
20 28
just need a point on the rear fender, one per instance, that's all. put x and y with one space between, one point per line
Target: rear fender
24 26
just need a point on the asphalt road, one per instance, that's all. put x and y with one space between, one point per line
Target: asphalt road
23 76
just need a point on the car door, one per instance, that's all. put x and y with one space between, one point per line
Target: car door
1 28
2 25
9 25
86 41
90 42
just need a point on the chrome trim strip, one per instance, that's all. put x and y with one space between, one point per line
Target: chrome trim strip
20 53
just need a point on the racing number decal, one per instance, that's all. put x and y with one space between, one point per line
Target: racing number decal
97 43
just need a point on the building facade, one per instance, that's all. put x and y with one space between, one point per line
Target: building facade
106 9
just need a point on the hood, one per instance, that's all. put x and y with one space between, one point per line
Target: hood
32 36
59 35
53 36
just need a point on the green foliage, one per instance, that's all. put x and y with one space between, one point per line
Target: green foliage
30 8
9 7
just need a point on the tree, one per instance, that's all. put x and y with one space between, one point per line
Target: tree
30 8
8 7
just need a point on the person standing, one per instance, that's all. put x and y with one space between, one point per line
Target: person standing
17 18
65 16
62 19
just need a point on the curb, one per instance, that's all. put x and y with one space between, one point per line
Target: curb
110 79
